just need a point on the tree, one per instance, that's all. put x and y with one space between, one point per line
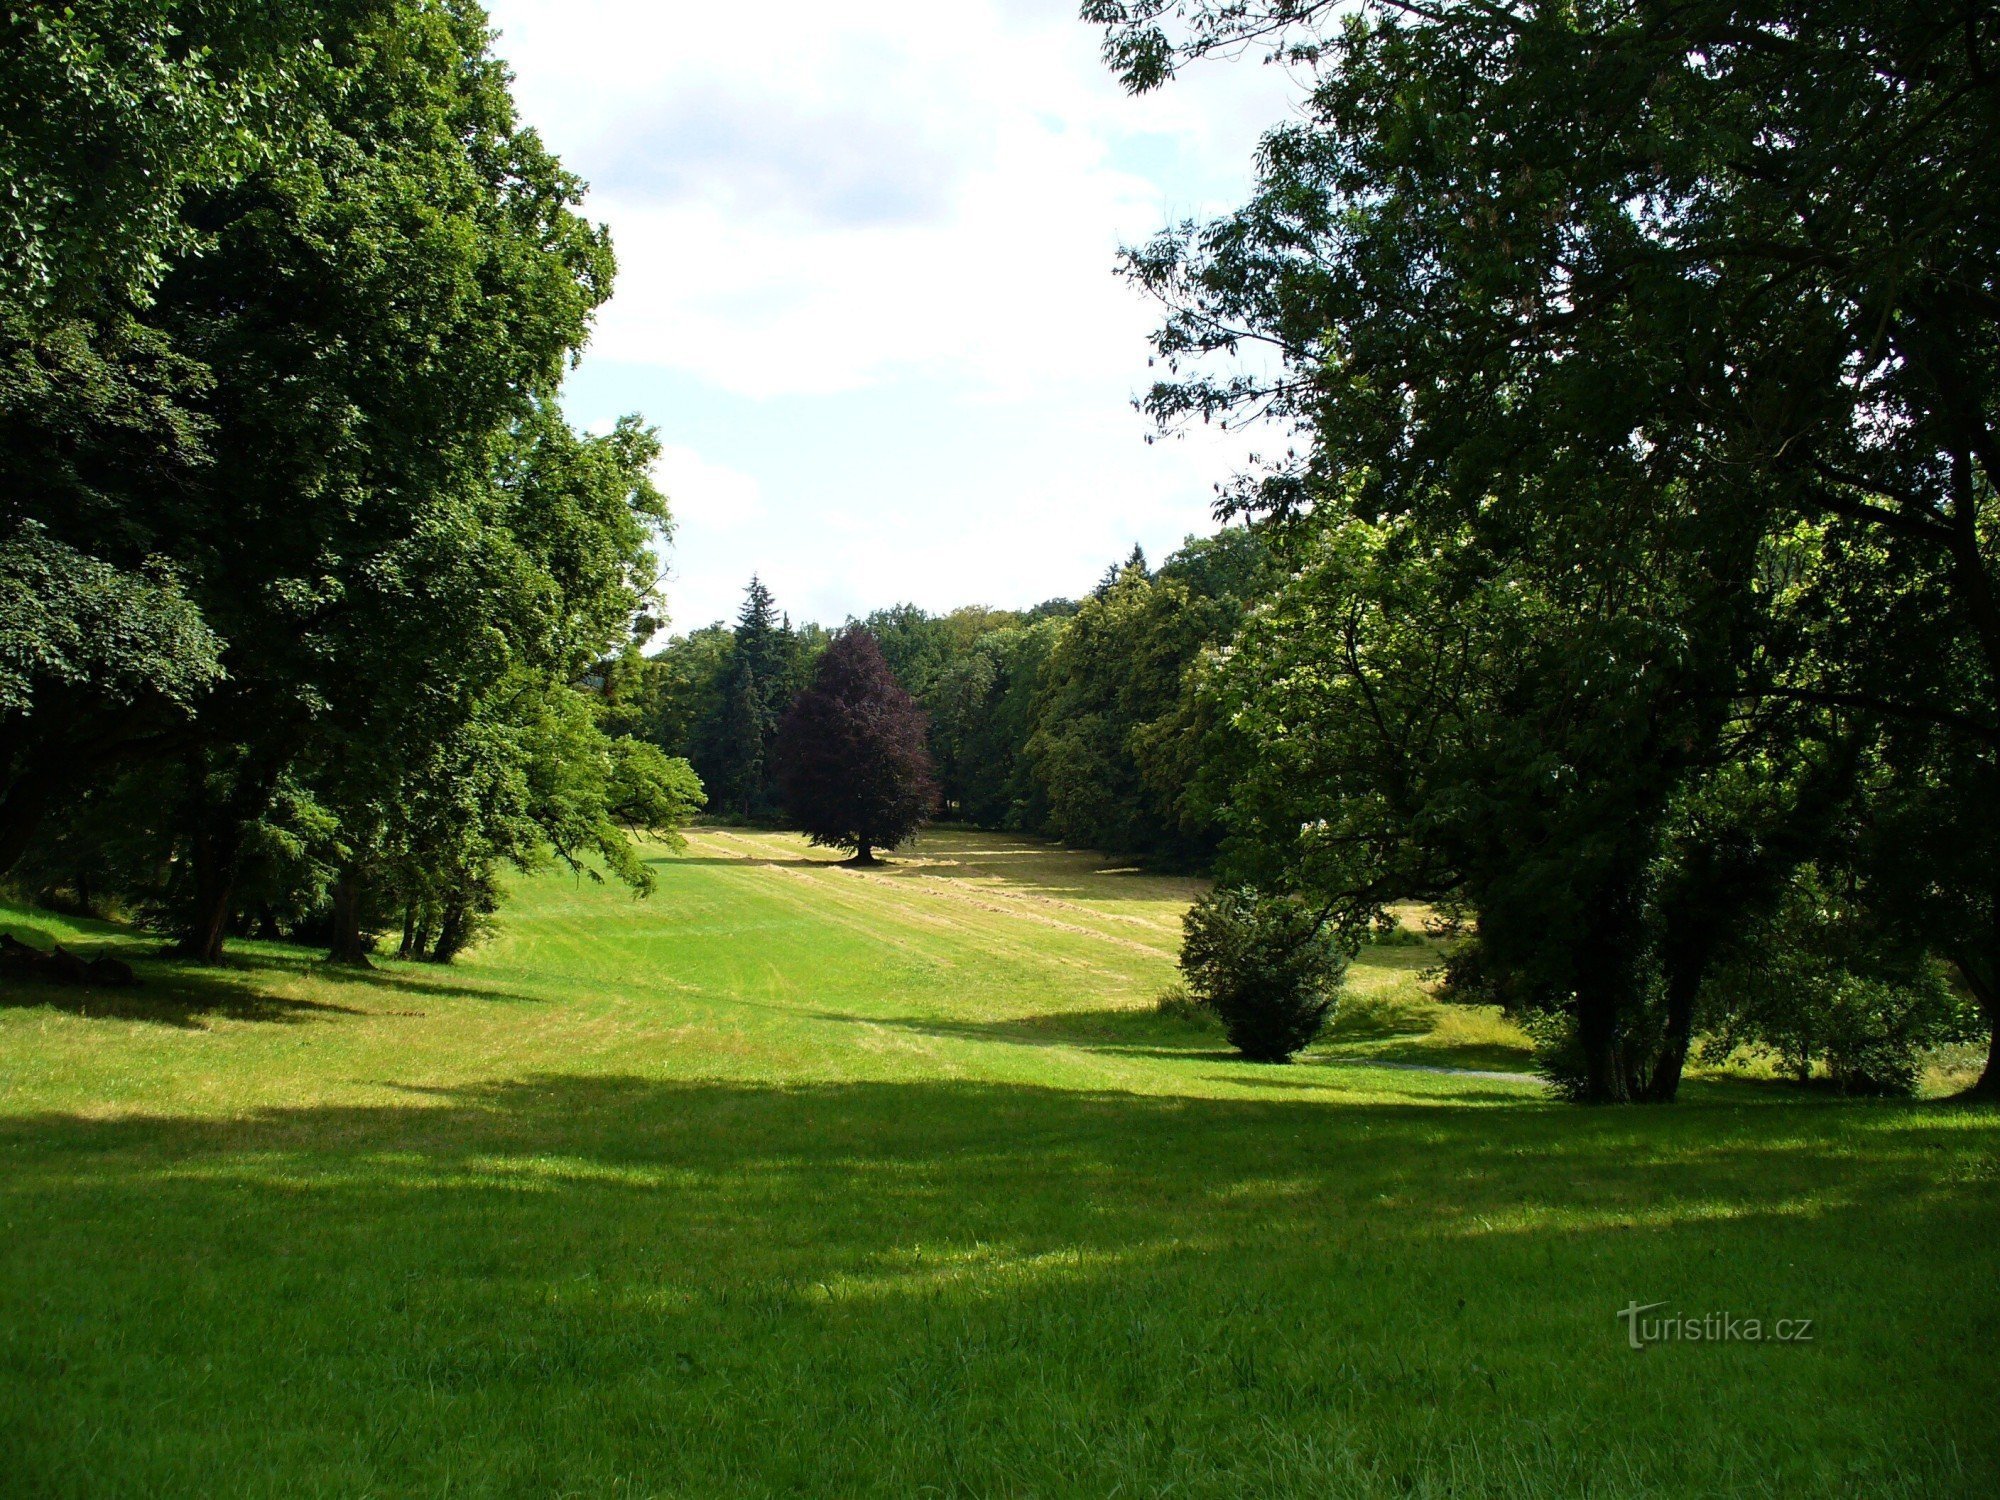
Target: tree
344 529
286 505
1705 285
110 110
731 746
665 698
455 788
983 714
94 660
851 753
1820 982
652 792
1114 732
1266 966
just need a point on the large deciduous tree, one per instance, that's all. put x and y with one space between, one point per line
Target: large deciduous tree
851 754
461 770
380 306
113 115
1114 744
1681 321
285 501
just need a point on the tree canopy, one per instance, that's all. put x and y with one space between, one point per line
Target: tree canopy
1629 589
1643 359
851 758
288 514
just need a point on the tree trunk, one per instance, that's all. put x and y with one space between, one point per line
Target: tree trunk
349 946
1597 1036
1691 945
1665 1081
1981 980
1606 992
214 854
21 811
454 928
864 854
409 943
1988 1085
217 849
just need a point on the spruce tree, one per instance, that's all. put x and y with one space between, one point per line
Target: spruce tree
739 742
733 747
851 756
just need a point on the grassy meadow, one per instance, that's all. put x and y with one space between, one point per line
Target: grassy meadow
798 1179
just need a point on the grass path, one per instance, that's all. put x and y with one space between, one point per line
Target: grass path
798 1179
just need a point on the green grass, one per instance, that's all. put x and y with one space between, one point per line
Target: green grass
804 1180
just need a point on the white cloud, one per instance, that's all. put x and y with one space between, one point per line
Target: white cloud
838 194
839 170
854 206
706 495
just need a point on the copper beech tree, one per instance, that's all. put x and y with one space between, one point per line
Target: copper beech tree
852 762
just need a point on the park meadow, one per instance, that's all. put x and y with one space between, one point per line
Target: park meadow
803 1179
1030 748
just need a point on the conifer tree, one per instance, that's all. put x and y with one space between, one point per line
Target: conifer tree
733 751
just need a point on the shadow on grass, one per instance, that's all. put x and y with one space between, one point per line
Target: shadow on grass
1128 1031
979 1288
1397 1029
1137 1032
1418 1052
983 1157
1464 1090
179 993
35 935
170 992
427 981
1479 1073
1359 1021
172 996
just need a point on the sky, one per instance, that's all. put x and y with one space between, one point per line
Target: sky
866 286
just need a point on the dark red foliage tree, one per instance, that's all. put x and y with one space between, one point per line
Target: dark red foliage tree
851 758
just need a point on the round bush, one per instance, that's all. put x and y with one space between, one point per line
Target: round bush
1265 966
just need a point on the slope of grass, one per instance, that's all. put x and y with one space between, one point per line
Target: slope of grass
797 1179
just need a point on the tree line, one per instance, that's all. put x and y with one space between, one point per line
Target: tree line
1073 720
1630 589
304 577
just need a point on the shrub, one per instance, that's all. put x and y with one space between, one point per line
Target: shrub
1265 966
1822 990
1869 1033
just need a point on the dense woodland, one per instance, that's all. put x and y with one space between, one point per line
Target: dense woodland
1073 720
1630 592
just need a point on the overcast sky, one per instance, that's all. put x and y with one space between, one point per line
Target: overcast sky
865 285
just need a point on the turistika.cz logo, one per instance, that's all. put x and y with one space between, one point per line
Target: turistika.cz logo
1708 1328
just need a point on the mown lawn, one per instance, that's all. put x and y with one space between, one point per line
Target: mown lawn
803 1180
